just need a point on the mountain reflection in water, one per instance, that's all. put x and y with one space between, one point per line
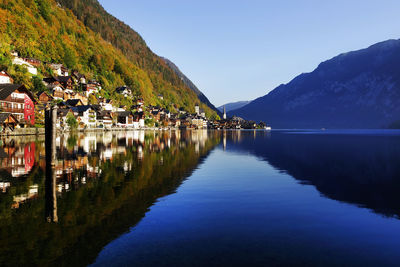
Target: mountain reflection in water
105 183
359 167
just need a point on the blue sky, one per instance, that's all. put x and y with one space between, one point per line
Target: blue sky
240 50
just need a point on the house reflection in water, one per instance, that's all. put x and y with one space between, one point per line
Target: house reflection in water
79 157
17 160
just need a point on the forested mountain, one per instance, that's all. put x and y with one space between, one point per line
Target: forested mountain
82 35
233 105
359 89
190 84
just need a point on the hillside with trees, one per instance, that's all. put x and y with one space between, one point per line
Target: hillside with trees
82 36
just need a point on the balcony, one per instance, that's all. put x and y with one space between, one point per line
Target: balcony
17 100
12 110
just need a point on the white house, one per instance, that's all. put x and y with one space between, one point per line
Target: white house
86 115
5 77
105 119
141 123
92 88
59 69
106 104
124 90
20 61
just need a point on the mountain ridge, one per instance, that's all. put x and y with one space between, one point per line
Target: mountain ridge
233 105
190 84
357 89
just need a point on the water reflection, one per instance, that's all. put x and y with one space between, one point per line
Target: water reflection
101 185
361 167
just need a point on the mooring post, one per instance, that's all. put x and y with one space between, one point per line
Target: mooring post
53 134
50 142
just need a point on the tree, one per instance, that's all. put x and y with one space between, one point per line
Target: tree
38 85
93 100
44 9
71 121
215 117
69 58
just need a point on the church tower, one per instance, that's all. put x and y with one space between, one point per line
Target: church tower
224 113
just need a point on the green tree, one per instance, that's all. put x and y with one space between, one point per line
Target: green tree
71 121
44 9
38 85
93 100
69 58
215 117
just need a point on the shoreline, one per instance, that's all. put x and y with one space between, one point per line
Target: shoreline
41 131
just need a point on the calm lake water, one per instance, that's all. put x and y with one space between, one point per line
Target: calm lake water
203 198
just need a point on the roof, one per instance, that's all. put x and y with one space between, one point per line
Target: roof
5 73
103 114
50 80
43 92
81 108
63 79
7 88
122 89
63 111
96 107
77 74
124 113
55 65
4 116
73 102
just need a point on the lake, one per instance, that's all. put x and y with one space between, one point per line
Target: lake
203 198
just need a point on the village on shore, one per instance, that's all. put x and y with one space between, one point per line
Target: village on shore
81 106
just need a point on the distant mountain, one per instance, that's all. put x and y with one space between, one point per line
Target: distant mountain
233 105
190 84
359 89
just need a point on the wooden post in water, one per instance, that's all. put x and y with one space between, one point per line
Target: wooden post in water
50 184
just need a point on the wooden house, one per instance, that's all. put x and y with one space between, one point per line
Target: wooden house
7 121
82 97
44 97
66 81
16 99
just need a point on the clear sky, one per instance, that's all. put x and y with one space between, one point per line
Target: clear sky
239 50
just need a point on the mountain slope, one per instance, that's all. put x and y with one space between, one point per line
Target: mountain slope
359 89
82 35
233 105
190 84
